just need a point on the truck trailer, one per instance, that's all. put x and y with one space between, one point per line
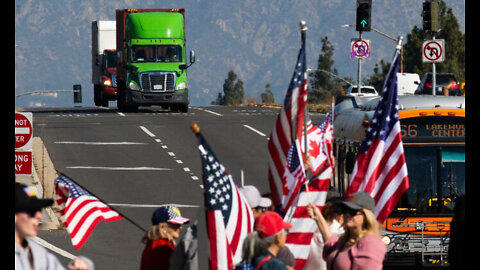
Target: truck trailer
104 67
151 59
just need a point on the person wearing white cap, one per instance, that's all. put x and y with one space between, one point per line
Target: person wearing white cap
255 200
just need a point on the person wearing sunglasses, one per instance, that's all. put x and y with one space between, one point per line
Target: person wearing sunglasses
28 253
360 247
159 240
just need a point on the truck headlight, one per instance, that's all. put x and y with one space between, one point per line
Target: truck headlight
132 85
181 86
107 82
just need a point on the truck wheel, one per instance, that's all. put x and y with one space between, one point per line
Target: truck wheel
96 95
183 108
121 103
123 100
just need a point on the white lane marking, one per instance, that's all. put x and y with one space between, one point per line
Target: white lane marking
152 205
120 168
158 140
179 161
186 169
121 114
149 133
256 131
100 143
53 248
194 178
215 113
171 154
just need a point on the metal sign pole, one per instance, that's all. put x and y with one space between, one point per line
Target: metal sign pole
434 75
359 72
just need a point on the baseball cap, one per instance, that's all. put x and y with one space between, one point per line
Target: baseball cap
253 197
270 223
359 200
26 199
169 214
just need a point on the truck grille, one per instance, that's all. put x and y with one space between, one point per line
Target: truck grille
158 81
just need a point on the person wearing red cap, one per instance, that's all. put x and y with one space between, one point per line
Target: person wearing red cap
360 247
160 238
262 245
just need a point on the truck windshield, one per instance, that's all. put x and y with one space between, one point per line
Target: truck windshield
111 59
156 53
436 177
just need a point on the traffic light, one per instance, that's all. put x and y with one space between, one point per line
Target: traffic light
364 15
430 16
77 93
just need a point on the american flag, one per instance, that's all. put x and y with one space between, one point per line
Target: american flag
228 216
380 168
303 227
288 126
294 176
80 210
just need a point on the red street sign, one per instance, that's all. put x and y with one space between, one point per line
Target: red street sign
23 130
23 162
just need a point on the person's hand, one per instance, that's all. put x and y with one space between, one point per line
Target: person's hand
78 264
313 211
306 161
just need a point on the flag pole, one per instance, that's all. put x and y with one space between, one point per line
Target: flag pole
303 31
122 215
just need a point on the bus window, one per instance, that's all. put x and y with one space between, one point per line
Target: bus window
426 189
453 174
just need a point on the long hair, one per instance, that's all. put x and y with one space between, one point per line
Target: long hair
254 245
370 225
158 232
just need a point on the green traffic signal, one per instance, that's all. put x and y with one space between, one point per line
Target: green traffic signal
364 12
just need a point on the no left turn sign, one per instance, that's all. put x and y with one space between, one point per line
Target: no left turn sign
433 51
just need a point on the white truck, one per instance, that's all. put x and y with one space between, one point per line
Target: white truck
104 67
407 83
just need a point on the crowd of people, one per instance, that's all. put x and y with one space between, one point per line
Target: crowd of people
348 235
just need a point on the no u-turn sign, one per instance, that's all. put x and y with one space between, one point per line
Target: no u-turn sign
433 51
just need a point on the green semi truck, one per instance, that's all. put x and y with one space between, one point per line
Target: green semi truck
151 59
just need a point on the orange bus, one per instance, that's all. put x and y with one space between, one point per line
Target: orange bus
417 232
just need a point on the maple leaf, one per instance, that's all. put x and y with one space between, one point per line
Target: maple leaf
314 149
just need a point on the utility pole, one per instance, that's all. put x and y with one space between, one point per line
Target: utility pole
364 17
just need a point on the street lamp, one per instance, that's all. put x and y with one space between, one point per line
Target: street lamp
309 70
385 35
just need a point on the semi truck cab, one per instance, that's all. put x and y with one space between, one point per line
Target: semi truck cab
152 61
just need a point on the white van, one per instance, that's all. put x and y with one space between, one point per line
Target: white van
367 91
407 83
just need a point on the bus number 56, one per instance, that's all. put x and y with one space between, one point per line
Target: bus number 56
408 130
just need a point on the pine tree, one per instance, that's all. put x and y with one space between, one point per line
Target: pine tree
233 91
323 85
454 46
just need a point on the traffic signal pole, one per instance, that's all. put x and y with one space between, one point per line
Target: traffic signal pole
359 72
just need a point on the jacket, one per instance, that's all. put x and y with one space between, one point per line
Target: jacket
156 255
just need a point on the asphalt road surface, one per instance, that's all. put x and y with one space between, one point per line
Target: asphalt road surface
138 161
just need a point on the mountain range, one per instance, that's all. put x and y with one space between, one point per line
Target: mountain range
257 39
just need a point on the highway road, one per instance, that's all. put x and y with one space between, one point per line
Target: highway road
137 161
